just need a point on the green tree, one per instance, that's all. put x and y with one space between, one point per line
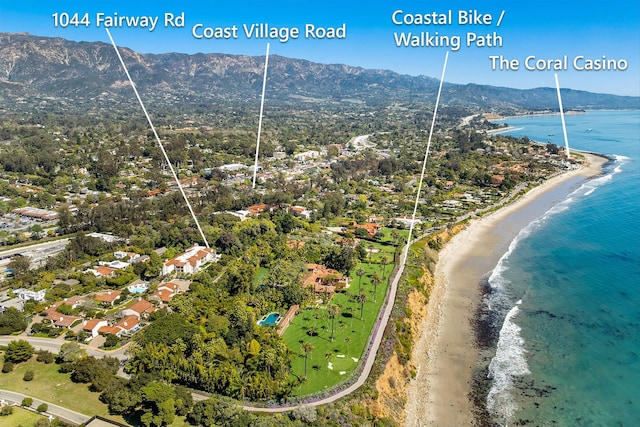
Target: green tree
12 321
375 279
361 299
45 356
216 411
360 273
18 351
65 219
111 341
167 330
120 398
70 352
333 311
384 261
306 348
158 404
19 265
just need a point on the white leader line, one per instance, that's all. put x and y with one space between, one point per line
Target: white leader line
426 155
264 87
173 172
564 126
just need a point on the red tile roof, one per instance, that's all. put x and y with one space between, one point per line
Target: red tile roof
141 306
108 297
165 295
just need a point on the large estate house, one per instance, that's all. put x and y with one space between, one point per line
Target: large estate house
190 261
323 279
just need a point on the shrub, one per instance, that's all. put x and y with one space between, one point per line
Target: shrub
27 401
6 410
45 356
19 351
7 367
42 407
111 341
28 376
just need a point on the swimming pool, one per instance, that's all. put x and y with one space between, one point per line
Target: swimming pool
138 288
269 319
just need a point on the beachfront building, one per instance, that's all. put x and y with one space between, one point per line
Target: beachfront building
191 261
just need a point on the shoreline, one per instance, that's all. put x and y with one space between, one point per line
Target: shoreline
446 353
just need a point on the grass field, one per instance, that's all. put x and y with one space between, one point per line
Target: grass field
20 417
331 362
50 385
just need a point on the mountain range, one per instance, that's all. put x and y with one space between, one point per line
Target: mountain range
34 67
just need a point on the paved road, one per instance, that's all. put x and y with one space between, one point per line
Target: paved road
57 411
54 345
38 253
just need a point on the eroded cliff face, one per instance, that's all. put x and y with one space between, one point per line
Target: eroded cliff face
393 383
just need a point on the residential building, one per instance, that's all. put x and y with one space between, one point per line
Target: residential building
92 326
109 297
26 295
190 261
323 279
140 309
300 211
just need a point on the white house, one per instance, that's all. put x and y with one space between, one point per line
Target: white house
300 211
93 325
190 261
26 295
407 220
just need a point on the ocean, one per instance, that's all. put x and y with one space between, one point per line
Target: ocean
566 295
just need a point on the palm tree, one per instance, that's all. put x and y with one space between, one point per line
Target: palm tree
270 359
384 261
375 279
333 312
362 298
306 348
360 273
395 234
347 340
328 355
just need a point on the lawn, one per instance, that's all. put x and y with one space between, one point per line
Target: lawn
20 417
331 362
386 235
50 385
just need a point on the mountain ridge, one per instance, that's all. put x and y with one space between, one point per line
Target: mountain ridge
56 67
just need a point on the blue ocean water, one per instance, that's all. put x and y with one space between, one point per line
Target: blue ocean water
568 352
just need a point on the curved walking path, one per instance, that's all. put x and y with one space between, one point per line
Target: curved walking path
52 409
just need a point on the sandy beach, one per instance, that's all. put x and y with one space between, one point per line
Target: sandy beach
445 354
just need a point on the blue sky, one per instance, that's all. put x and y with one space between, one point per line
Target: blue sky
545 29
